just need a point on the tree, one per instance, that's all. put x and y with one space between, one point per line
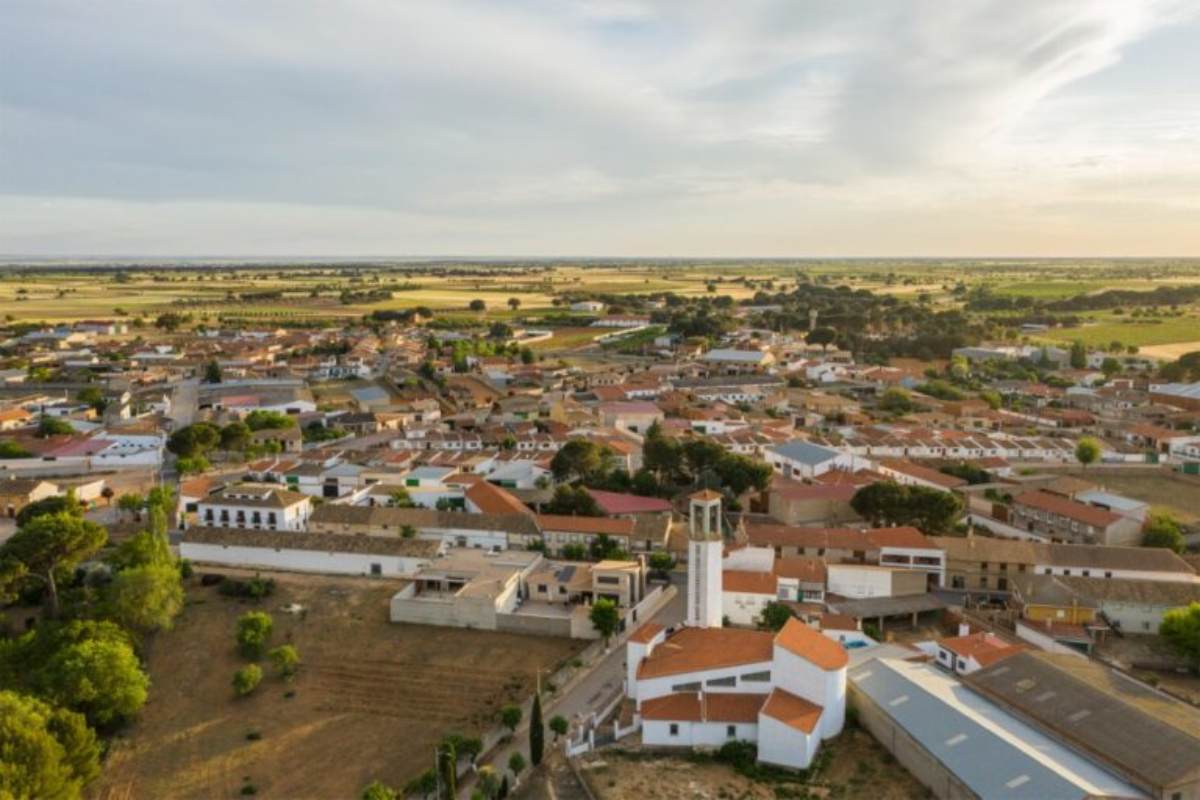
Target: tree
488 781
1162 530
247 679
447 760
514 303
477 305
581 459
10 449
604 617
408 532
510 716
108 493
131 503
739 474
261 419
774 616
212 372
378 790
516 763
193 466
661 563
889 503
574 501
94 397
1087 451
1078 355
286 660
1110 366
52 426
1180 628
47 752
399 498
560 726
821 336
194 440
896 401
53 542
537 732
574 552
147 597
57 504
527 355
253 633
604 547
235 436
84 665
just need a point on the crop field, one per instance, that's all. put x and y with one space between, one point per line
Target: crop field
371 700
1139 331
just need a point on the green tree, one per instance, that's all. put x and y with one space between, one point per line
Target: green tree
896 401
477 305
253 632
86 666
516 763
52 426
510 716
1078 355
212 372
193 465
1180 628
10 449
261 419
194 440
560 726
57 504
581 459
514 303
889 503
574 501
50 543
661 563
821 336
286 660
1110 366
447 760
400 498
604 617
1162 530
147 597
131 503
378 790
740 474
774 616
94 397
488 781
537 731
247 679
235 436
1087 451
45 752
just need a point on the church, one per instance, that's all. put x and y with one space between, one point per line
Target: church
704 685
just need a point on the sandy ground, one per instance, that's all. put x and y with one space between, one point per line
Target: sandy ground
1168 352
858 768
371 701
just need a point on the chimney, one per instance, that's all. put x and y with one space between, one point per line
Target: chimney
964 629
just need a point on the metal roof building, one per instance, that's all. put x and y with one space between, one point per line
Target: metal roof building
960 744
1150 738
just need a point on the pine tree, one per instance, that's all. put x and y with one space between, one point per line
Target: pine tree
537 732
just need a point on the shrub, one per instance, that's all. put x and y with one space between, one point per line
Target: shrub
246 679
253 632
286 660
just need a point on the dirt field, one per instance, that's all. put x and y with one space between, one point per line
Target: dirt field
371 700
858 768
1169 352
1161 488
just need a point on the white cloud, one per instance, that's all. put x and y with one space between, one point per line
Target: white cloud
369 126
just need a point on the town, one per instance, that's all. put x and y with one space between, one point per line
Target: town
798 530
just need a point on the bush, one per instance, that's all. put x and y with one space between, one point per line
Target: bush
286 660
253 631
254 589
247 679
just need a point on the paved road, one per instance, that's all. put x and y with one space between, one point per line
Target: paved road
590 694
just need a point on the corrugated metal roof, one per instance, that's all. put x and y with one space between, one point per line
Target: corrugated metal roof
993 753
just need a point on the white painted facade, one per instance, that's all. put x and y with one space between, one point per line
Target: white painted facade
332 563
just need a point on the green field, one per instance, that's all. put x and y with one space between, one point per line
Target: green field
1141 332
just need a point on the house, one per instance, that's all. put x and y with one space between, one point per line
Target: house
1131 606
255 506
635 416
1059 519
795 503
561 531
739 358
908 473
968 652
857 581
16 493
12 419
616 504
282 440
802 459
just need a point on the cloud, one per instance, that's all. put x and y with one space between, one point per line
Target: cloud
460 126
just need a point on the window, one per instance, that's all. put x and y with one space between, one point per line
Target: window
1108 574
541 588
958 582
1087 572
983 584
1002 584
376 569
730 681
983 565
757 677
731 731
609 579
674 729
686 687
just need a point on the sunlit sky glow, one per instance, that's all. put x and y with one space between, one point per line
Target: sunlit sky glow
584 127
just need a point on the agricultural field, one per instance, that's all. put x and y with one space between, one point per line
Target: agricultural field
1157 331
1163 489
371 701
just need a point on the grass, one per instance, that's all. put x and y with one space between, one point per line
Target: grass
1139 331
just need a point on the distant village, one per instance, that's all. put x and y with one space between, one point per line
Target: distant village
779 537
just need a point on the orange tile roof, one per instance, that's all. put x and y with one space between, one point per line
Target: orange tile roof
1044 501
696 649
618 526
808 570
738 580
704 707
491 499
838 622
985 648
902 536
705 494
646 633
793 711
799 639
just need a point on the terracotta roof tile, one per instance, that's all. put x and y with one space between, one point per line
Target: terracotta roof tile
799 639
696 649
793 711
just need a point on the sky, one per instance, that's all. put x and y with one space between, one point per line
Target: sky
618 128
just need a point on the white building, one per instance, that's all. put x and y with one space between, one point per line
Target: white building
257 507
